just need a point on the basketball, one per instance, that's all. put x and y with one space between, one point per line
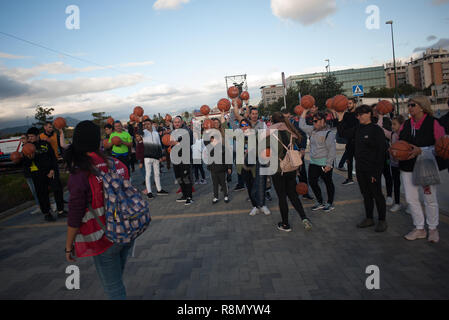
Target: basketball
105 141
224 105
166 140
208 124
168 118
29 149
15 157
116 141
265 154
110 121
384 107
169 149
59 123
299 110
132 117
340 103
233 92
442 147
244 96
302 188
205 110
307 102
237 103
329 103
400 150
138 111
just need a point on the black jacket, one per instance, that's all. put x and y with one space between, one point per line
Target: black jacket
44 159
370 149
216 167
347 128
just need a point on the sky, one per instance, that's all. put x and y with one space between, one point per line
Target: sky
170 56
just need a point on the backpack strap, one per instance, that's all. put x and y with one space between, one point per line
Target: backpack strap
281 142
327 134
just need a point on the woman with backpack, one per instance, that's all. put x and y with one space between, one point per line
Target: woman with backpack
85 236
322 158
285 182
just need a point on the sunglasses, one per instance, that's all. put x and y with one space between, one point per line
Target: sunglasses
411 105
243 125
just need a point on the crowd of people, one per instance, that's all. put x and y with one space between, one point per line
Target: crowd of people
366 133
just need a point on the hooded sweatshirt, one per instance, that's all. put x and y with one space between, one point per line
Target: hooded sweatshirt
322 145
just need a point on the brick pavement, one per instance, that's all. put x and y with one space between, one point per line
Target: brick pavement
207 251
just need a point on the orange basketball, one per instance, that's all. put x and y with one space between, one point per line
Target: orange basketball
384 107
302 188
237 103
29 149
224 105
166 140
116 141
208 124
205 110
244 96
340 103
265 154
59 123
307 102
138 111
169 149
132 117
15 157
168 118
233 92
400 150
105 141
442 147
110 121
299 110
329 103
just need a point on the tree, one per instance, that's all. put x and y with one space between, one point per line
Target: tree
42 115
99 119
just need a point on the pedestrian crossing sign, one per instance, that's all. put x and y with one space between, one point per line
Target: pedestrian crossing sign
357 91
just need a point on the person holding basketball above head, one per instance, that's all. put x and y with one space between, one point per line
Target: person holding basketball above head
347 123
123 146
51 137
322 158
370 148
421 131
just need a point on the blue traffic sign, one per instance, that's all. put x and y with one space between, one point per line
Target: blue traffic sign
357 91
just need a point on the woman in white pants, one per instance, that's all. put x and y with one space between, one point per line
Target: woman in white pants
421 131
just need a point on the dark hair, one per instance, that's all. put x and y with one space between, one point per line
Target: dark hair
76 160
320 115
148 120
279 117
244 120
118 121
353 100
108 126
399 118
33 130
251 109
364 109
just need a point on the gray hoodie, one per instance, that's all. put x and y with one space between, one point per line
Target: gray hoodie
322 149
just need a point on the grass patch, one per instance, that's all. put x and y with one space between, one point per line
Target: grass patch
15 190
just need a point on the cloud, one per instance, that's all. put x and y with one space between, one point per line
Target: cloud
168 4
4 55
431 38
306 12
12 88
442 43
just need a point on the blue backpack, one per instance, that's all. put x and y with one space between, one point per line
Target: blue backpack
127 213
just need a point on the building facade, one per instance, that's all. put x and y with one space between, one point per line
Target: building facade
401 71
271 94
431 69
371 77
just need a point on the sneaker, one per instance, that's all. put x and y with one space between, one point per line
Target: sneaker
307 224
162 193
179 190
182 199
381 226
265 210
150 195
176 181
239 188
248 199
395 208
254 211
284 227
62 214
48 217
347 182
307 197
226 199
268 197
203 181
433 236
35 211
328 207
389 201
214 201
367 222
197 181
189 201
318 206
416 234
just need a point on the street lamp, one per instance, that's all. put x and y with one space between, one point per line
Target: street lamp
328 67
394 66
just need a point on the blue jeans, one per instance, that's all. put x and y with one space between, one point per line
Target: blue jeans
110 265
259 188
33 189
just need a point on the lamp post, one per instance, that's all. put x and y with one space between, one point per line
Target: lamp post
328 67
394 66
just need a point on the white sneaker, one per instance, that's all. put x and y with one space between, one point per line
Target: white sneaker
254 211
389 201
395 208
265 210
176 181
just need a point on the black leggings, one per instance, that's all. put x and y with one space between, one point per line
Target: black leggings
249 181
388 179
372 192
199 167
183 174
396 173
316 172
285 186
303 172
